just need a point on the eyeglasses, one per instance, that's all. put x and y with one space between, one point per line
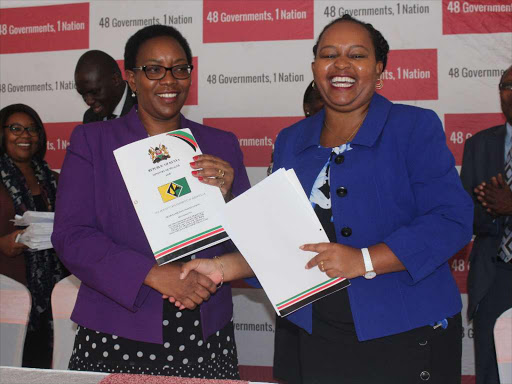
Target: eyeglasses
158 72
18 129
507 86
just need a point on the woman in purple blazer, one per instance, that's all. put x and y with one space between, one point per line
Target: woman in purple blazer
124 324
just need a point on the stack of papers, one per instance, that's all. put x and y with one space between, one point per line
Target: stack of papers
268 223
40 228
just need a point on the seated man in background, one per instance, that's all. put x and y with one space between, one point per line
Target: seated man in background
100 83
487 176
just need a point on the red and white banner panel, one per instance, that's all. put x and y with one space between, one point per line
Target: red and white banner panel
252 63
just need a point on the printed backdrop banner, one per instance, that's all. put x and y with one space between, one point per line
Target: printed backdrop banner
252 63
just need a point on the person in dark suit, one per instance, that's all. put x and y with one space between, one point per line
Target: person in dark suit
100 83
486 178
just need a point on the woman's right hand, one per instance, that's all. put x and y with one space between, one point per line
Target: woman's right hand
190 291
211 268
9 246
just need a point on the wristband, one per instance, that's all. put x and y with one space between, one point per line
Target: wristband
368 265
221 270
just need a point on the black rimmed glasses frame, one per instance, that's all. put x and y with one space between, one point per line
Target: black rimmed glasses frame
18 129
158 72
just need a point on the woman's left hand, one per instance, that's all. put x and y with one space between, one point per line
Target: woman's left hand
212 170
336 260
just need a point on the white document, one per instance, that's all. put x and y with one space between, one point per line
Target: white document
39 229
37 236
268 224
31 217
178 213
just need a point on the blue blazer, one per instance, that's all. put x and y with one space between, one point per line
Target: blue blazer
404 191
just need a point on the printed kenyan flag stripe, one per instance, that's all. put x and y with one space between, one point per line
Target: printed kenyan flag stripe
189 249
308 300
188 241
189 139
309 292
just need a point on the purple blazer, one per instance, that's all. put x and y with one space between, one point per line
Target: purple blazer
99 238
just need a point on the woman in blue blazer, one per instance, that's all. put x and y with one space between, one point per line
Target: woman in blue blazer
384 185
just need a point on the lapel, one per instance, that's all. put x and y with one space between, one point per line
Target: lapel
132 127
310 157
128 103
495 147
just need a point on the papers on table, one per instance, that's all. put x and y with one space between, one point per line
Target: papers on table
178 213
40 228
268 223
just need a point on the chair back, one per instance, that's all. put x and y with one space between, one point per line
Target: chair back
63 301
503 343
15 304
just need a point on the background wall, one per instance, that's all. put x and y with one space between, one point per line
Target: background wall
252 65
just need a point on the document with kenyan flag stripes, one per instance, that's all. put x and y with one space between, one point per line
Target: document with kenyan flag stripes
178 213
268 223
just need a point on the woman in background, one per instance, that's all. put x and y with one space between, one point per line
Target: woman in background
28 184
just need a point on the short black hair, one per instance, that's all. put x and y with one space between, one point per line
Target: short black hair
380 45
505 73
142 35
99 60
10 110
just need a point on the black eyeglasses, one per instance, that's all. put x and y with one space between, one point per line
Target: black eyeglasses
507 86
18 129
157 72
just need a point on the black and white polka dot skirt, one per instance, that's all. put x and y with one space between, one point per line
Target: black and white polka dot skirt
183 354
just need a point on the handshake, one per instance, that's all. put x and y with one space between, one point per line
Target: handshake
189 284
495 196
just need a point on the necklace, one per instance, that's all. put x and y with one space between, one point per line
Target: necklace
353 132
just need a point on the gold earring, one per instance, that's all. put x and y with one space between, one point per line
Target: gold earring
313 85
380 84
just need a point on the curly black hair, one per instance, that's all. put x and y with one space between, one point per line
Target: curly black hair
380 44
6 112
134 43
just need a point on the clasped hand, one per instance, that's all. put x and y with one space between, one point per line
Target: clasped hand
210 269
189 291
495 196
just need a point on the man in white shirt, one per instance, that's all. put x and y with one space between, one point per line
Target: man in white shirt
100 83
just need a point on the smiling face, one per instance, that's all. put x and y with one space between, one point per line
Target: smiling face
159 100
345 68
99 89
22 148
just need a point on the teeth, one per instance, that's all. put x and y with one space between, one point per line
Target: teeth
167 95
342 81
23 145
342 85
